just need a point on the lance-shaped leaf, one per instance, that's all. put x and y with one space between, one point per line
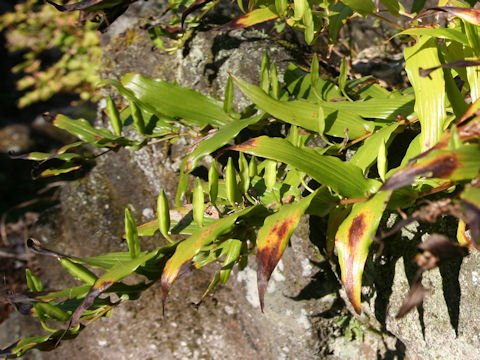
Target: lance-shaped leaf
116 273
353 240
366 154
469 15
161 98
62 169
90 5
39 156
429 91
273 238
254 17
363 7
82 129
455 165
343 177
221 137
43 343
455 34
306 114
131 235
190 247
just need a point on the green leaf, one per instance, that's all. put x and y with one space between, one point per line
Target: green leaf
115 274
233 252
213 182
59 170
190 247
342 78
363 7
454 34
220 138
78 271
163 214
131 235
454 165
335 22
264 73
161 98
33 282
198 203
113 116
429 91
353 240
231 186
305 114
228 97
393 6
273 238
344 178
82 129
368 152
382 161
244 184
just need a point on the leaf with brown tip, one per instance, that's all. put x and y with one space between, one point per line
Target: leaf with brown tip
471 16
353 240
273 238
254 17
190 247
458 164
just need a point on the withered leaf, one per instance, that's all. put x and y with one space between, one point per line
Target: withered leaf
450 65
468 14
437 248
352 241
36 247
273 238
414 298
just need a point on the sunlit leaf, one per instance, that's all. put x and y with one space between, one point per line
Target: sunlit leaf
223 136
429 91
363 7
366 154
254 17
353 240
161 98
459 164
273 238
188 248
305 114
62 169
116 273
454 34
343 177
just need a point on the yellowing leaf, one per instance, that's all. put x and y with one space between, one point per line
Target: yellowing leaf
273 238
254 17
353 239
429 91
190 247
